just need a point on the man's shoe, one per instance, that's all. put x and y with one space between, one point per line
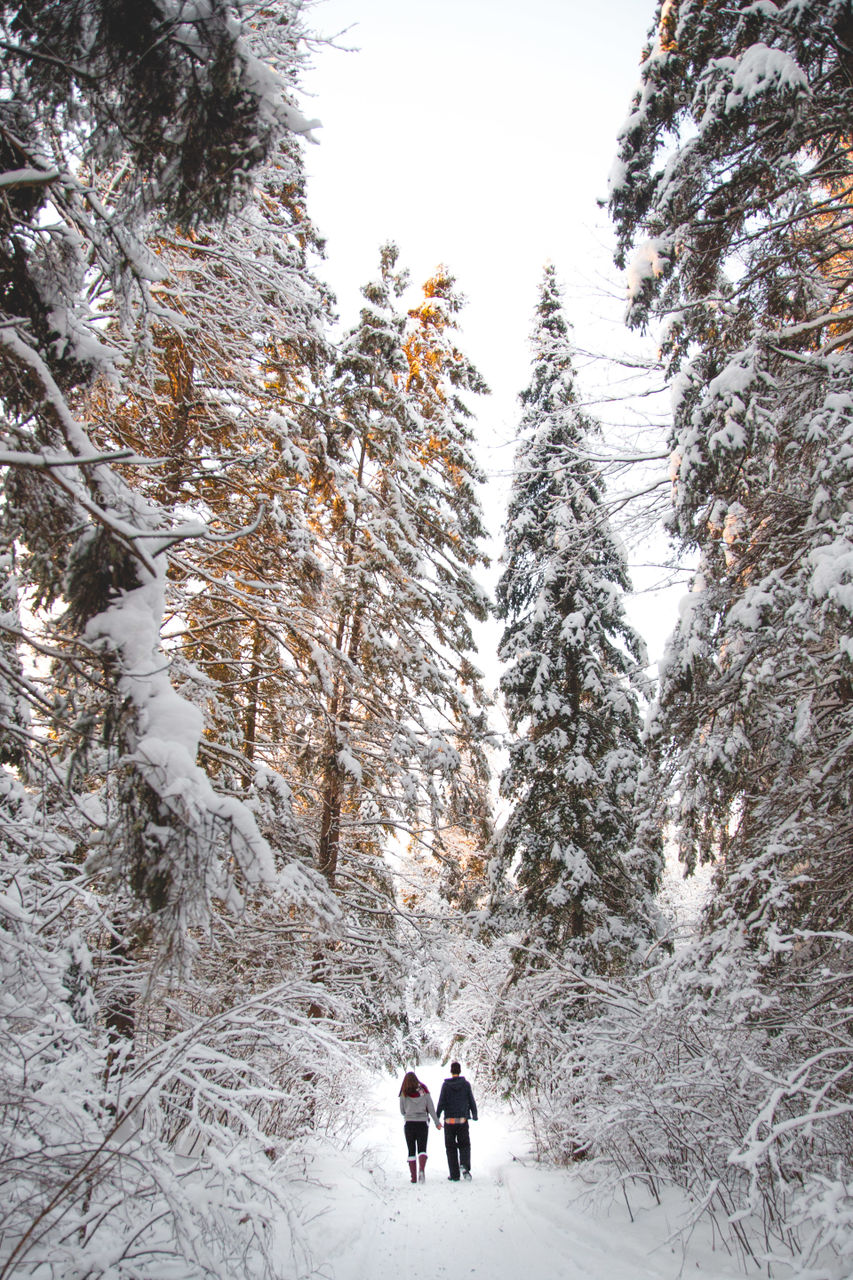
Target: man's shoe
466 1174
452 1179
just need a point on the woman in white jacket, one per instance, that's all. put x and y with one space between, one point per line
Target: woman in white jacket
416 1107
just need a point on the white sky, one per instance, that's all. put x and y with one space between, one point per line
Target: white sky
479 133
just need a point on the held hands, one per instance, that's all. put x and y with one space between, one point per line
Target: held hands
438 1124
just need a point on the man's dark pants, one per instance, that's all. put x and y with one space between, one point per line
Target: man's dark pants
457 1144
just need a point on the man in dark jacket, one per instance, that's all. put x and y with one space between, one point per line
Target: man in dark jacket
456 1103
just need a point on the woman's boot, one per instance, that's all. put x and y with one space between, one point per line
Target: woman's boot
422 1164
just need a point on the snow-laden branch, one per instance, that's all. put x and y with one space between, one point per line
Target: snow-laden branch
44 461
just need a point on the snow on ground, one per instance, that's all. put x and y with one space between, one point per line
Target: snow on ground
515 1221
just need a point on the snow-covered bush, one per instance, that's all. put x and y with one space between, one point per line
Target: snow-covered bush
121 1151
695 1074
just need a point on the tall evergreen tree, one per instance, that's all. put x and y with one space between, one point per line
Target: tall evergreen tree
747 256
570 684
401 525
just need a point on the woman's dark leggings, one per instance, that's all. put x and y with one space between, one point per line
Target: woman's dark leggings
416 1136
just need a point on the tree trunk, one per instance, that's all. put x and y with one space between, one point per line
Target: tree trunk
251 720
330 820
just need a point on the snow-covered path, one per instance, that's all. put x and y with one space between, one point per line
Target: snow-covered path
514 1221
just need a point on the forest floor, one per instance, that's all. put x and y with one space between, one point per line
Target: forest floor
516 1220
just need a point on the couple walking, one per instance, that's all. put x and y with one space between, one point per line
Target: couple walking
456 1103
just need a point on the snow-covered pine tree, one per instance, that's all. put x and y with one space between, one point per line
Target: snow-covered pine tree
440 377
750 233
573 668
401 528
574 870
733 188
